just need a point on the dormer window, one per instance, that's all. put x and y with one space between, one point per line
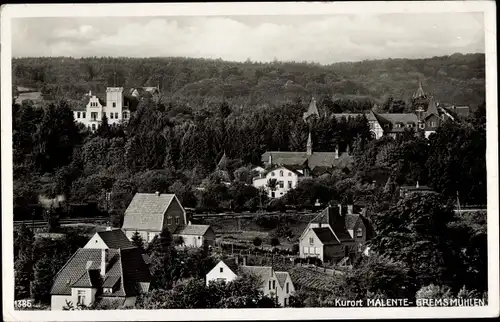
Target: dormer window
107 290
422 125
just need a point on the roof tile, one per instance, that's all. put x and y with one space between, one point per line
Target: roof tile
146 211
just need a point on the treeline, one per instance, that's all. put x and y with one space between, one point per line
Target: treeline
175 149
456 79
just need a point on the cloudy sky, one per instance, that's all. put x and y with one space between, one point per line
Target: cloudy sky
324 39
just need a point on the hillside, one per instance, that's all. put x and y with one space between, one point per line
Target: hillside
455 79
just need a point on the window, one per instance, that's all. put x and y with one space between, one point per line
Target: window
360 248
285 302
177 220
421 125
272 194
281 173
169 220
409 125
274 285
311 240
289 174
110 115
93 116
81 297
282 184
116 115
93 127
125 115
433 124
114 104
316 250
222 270
104 114
269 284
289 185
287 288
83 114
272 174
77 115
221 280
359 232
305 250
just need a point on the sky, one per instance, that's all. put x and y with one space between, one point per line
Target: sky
323 39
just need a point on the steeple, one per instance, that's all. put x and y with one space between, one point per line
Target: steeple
420 92
311 111
222 162
309 144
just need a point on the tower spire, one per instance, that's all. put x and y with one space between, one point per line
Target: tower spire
309 144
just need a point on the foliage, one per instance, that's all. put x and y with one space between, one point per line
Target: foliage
244 292
434 292
42 280
274 242
257 241
137 240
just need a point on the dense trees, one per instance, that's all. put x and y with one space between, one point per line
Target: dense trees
203 82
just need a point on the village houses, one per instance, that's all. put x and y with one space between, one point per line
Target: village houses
274 284
149 213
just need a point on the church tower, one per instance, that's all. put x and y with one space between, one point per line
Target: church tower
419 100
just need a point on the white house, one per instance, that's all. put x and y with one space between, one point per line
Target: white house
286 179
224 271
115 107
274 284
109 239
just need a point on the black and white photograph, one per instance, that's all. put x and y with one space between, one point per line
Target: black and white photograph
275 157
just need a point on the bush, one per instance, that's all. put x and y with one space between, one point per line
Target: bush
257 241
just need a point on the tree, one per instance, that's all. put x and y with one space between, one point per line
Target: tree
434 292
179 240
23 242
275 242
137 240
257 241
272 184
42 281
23 274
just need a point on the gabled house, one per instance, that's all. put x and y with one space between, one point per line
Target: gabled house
110 239
150 213
405 190
274 284
108 278
225 271
334 234
195 235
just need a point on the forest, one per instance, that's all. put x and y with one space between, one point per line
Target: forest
455 79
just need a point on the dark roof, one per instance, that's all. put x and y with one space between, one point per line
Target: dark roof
83 268
146 211
264 272
341 232
285 157
351 220
327 159
222 165
115 239
326 236
231 264
196 230
431 108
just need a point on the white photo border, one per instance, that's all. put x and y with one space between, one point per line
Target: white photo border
9 12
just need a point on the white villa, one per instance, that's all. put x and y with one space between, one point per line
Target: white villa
286 179
115 108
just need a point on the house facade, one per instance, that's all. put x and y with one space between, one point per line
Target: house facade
114 106
286 179
195 235
224 271
106 278
149 213
335 234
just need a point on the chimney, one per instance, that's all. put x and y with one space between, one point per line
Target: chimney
337 152
157 193
349 209
90 93
104 255
270 159
417 184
